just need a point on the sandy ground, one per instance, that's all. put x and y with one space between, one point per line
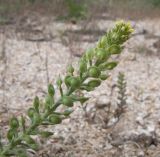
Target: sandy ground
37 51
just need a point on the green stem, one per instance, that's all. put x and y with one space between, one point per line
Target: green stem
115 37
33 126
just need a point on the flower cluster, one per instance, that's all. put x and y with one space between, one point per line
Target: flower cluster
93 69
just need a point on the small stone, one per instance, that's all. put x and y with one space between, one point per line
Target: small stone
108 145
102 101
90 107
140 120
69 140
131 57
58 148
141 154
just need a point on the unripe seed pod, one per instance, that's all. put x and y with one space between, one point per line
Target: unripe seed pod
10 134
94 83
59 82
114 49
75 82
14 123
70 69
31 112
55 119
94 72
51 90
89 54
101 54
66 100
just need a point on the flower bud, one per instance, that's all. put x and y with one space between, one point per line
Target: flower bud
14 124
55 119
115 36
102 42
123 28
94 72
51 90
94 83
67 100
74 82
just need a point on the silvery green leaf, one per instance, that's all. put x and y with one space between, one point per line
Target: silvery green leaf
108 66
87 88
51 90
36 103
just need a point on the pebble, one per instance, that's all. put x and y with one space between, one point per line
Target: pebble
103 101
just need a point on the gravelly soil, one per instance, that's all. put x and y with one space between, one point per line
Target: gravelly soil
30 59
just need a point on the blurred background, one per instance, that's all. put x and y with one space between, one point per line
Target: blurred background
9 10
39 38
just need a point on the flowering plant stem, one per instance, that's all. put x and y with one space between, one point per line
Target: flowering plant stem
93 68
